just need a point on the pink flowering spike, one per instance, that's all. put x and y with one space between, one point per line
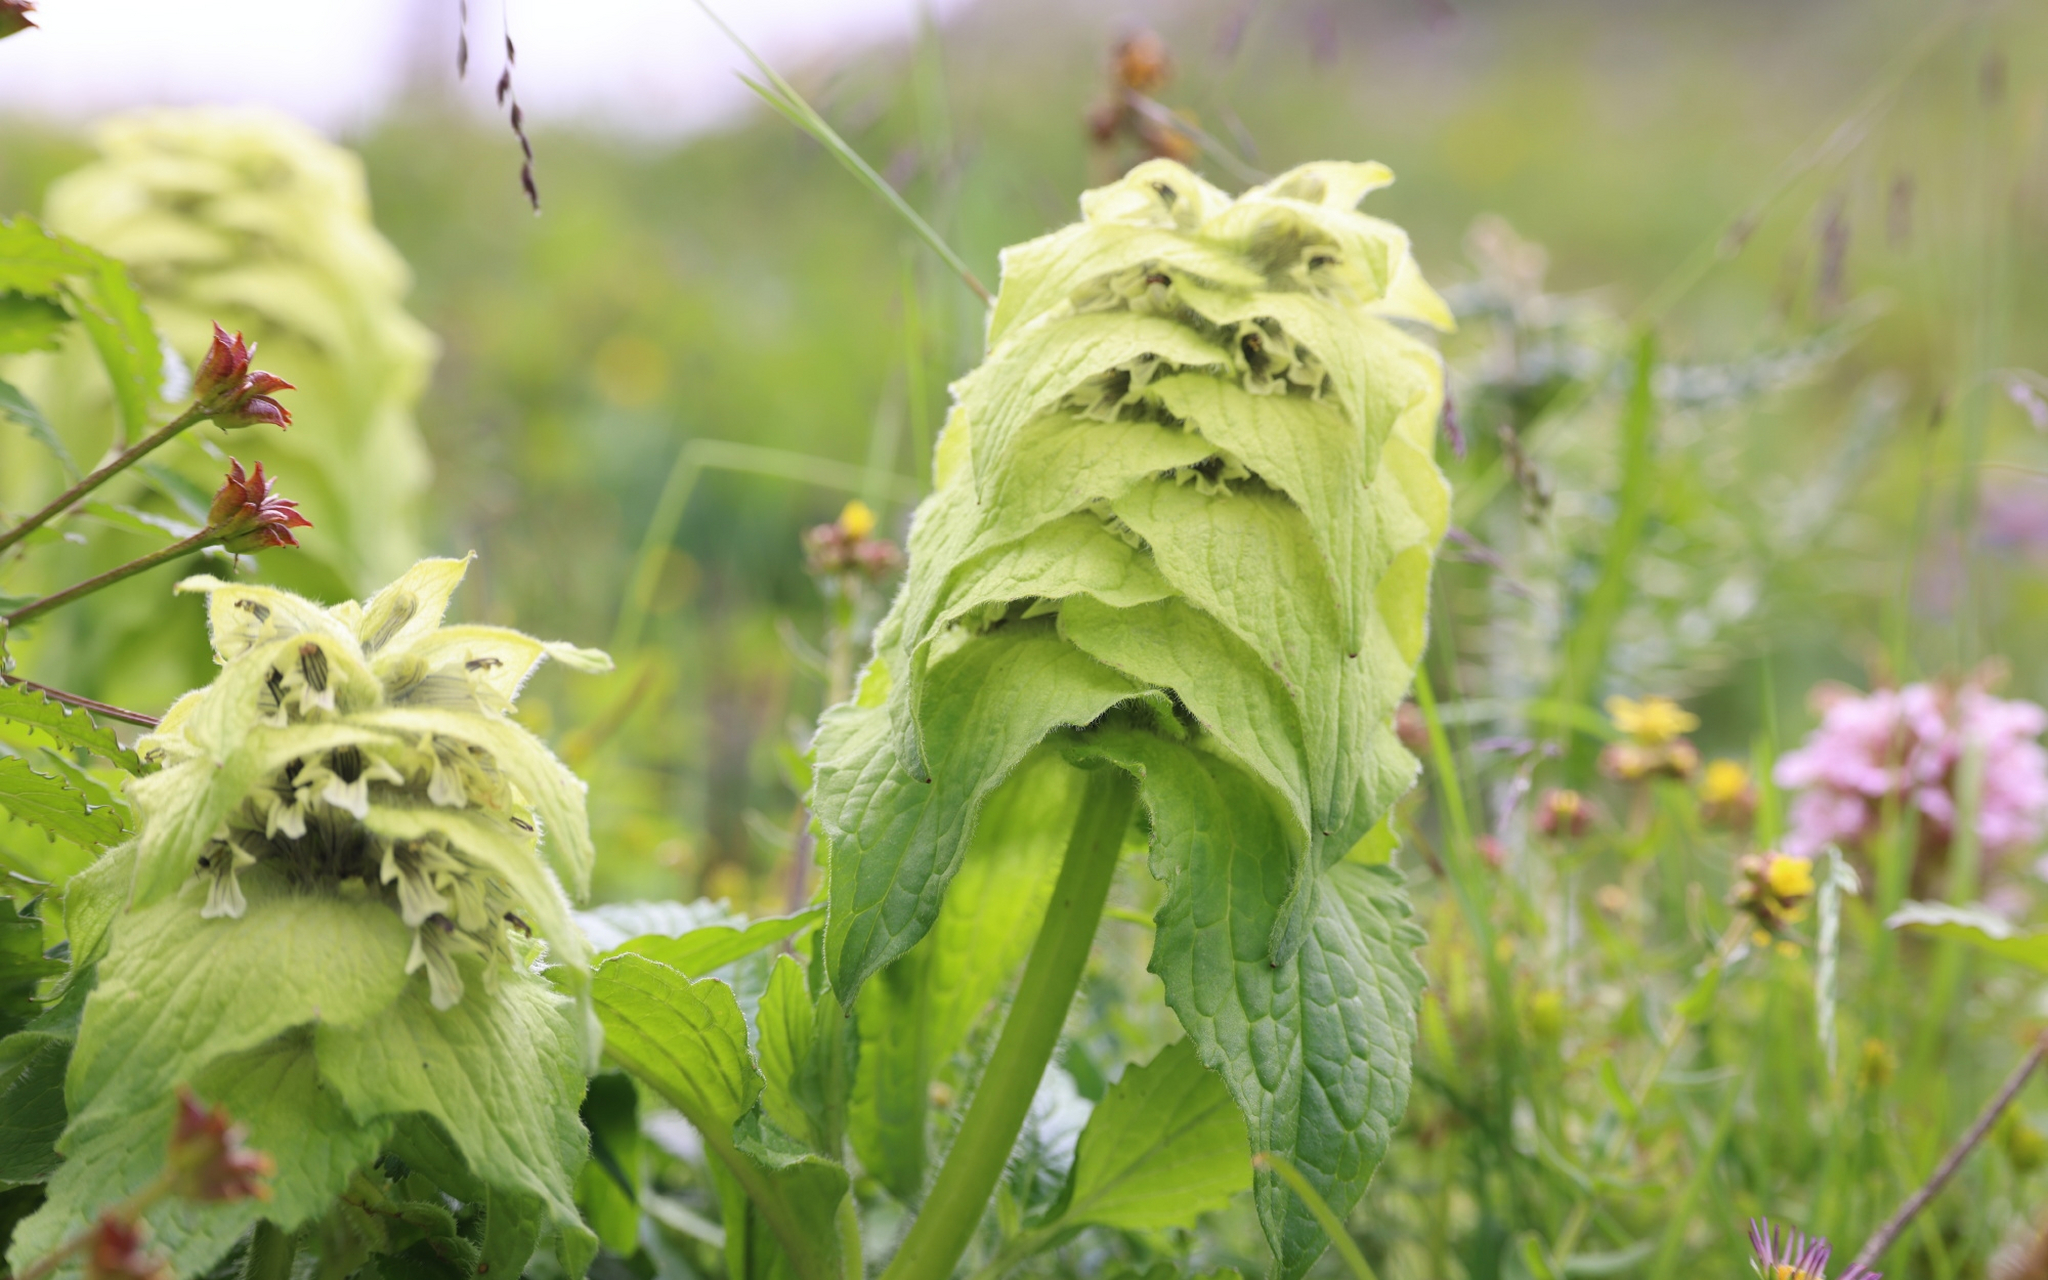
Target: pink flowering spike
247 518
1905 747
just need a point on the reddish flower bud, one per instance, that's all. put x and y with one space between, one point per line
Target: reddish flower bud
1411 728
1563 814
848 547
208 1159
117 1253
247 518
233 394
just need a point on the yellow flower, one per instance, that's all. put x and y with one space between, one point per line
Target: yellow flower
1790 878
1653 721
1724 782
857 520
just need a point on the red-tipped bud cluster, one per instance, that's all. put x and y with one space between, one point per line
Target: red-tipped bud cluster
1563 814
248 518
14 17
208 1158
117 1253
233 394
848 548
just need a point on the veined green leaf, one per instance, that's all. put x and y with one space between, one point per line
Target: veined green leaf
1041 275
890 1111
63 725
22 965
32 1110
896 841
36 263
56 807
687 1041
1315 1049
1165 1145
710 947
791 1095
608 1188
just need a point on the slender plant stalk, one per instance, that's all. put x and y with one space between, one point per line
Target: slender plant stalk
1882 1239
961 1192
183 547
108 470
1326 1217
84 704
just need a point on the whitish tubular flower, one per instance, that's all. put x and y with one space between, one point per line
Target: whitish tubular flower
333 922
1185 517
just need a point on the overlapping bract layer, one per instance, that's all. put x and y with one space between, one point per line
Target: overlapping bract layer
346 806
1185 519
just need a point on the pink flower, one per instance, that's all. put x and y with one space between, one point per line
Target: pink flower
1907 745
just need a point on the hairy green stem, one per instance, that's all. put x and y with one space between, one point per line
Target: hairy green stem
183 547
965 1182
106 471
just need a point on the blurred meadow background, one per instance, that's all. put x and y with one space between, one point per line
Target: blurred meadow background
1751 400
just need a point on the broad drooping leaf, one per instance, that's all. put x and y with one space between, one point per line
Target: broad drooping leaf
1187 508
688 1042
339 874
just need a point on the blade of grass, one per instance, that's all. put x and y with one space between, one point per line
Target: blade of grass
781 95
1592 636
697 456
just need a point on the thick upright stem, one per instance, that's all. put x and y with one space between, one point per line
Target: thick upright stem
961 1192
121 462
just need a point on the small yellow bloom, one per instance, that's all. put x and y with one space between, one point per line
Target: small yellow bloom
1790 878
1653 721
857 519
1724 782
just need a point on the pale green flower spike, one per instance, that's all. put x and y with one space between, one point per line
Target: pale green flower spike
1185 518
346 806
243 215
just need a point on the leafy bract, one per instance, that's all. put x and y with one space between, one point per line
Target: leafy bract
896 841
1165 1145
501 1071
1185 517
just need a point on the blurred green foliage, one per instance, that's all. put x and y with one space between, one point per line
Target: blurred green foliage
1827 214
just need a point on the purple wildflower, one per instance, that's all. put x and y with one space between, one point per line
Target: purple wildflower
1906 745
1788 1255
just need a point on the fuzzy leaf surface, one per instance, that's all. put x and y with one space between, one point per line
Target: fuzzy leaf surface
501 1071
